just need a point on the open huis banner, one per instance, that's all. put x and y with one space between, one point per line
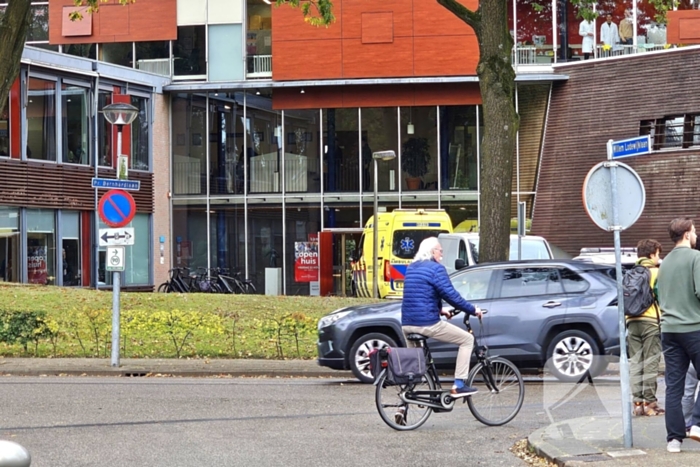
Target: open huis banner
306 260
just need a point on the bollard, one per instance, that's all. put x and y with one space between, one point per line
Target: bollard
13 455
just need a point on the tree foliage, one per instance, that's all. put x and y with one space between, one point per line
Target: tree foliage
316 12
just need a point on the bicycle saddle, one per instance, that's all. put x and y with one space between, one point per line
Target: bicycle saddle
416 337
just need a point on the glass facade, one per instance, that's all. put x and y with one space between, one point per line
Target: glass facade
252 183
549 31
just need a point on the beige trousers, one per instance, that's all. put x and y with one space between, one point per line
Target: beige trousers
446 332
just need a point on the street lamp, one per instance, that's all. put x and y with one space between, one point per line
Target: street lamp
377 156
119 114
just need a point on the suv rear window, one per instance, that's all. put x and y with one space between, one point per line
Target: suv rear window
406 242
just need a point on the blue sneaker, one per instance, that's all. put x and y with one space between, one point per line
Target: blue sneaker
464 391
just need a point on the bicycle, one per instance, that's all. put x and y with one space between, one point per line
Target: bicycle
407 406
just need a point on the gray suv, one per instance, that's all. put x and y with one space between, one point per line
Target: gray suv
556 313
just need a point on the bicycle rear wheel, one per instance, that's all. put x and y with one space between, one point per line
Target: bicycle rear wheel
395 412
495 406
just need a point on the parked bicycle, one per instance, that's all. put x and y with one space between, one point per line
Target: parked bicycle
213 280
408 406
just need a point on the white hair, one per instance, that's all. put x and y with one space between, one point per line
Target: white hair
425 250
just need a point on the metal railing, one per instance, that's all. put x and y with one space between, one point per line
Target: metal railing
159 66
544 55
259 66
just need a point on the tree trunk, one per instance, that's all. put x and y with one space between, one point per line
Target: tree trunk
497 84
13 33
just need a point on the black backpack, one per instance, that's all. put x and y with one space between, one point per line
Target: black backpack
637 293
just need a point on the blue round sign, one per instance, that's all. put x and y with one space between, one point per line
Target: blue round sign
117 208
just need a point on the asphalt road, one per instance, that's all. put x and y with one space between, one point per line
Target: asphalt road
114 422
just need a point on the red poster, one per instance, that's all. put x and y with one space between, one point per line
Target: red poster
37 270
305 261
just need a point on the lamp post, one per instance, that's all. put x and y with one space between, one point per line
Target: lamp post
119 114
377 156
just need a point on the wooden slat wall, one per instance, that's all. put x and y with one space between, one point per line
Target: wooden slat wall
532 107
37 184
607 100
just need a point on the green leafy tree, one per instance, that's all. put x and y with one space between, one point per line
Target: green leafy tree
14 26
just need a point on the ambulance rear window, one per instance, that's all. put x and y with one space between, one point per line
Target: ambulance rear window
406 242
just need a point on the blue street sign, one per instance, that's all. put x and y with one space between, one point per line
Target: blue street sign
629 147
129 185
117 208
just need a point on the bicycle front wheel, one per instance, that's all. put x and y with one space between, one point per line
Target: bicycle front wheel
394 411
501 391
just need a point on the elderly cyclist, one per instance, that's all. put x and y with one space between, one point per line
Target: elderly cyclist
425 286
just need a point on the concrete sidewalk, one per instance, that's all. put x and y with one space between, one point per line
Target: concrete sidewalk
175 367
592 441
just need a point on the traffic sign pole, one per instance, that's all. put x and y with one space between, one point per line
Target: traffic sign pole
614 198
116 279
624 363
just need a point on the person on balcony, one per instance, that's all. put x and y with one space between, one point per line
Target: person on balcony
626 28
609 35
587 31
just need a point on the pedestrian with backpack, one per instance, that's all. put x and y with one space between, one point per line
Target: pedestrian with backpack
643 327
679 298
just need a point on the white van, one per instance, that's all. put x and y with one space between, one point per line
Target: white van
462 249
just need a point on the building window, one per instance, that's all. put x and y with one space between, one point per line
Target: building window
679 131
9 244
70 247
139 135
41 120
190 51
153 57
104 134
74 107
38 31
5 131
41 247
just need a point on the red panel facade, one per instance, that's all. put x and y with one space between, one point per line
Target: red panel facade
370 39
683 27
150 20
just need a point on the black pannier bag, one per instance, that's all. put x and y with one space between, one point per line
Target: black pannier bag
405 365
377 361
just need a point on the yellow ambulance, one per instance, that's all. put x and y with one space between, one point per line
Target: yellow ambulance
400 232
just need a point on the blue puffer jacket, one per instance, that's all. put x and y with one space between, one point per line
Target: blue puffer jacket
425 286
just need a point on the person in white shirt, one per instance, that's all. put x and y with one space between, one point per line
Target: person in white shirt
587 30
608 33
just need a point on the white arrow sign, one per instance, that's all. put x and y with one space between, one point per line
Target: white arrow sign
122 236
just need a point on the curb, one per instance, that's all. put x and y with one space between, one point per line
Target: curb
131 373
576 452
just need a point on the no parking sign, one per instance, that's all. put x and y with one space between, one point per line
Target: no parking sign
117 208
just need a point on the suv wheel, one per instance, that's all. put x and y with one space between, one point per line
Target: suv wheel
359 354
573 355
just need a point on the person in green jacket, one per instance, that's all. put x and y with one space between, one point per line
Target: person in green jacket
679 297
644 339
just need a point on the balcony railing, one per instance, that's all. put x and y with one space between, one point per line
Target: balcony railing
544 54
159 66
259 66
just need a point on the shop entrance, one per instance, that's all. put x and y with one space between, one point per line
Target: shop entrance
344 244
